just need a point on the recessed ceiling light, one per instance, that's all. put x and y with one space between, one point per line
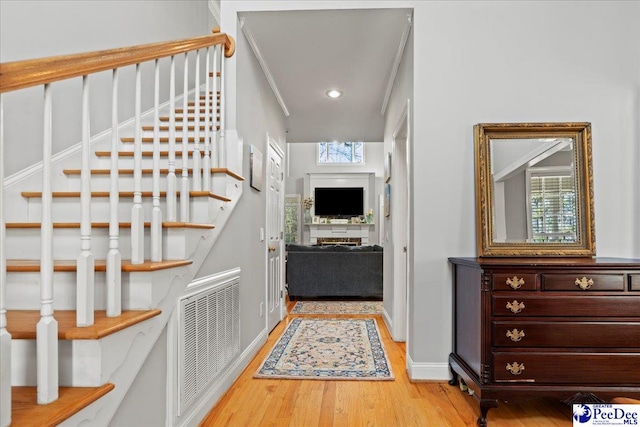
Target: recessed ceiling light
334 93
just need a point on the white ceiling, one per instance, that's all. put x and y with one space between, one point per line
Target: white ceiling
308 52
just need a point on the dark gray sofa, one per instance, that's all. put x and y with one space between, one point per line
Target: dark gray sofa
334 271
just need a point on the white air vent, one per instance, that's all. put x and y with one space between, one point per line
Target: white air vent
208 337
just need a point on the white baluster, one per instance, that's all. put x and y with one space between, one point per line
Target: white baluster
206 160
214 102
221 145
114 257
197 183
171 174
156 213
86 263
5 337
47 327
184 189
137 213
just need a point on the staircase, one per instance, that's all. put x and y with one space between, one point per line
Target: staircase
93 260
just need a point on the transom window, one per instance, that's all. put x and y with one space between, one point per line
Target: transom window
340 153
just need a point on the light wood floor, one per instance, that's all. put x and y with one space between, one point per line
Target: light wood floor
308 403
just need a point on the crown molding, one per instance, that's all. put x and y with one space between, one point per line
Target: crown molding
396 62
214 8
263 65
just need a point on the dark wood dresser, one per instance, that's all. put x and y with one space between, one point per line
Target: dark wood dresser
557 327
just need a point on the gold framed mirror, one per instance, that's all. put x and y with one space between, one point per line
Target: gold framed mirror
534 190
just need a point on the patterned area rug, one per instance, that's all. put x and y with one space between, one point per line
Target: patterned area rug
337 307
328 349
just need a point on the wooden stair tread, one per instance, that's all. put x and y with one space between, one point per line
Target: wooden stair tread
163 153
204 103
74 194
190 118
70 265
178 127
162 139
165 224
21 324
191 108
25 410
163 171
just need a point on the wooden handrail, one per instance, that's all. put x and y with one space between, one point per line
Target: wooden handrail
34 72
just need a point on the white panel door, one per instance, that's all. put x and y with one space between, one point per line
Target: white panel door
275 233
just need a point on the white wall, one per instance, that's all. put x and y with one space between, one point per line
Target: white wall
303 160
34 29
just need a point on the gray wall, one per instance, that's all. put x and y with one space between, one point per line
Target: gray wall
523 61
239 244
145 402
474 62
496 61
402 91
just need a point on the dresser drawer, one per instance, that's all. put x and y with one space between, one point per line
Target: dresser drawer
565 334
513 282
524 305
583 282
634 282
567 368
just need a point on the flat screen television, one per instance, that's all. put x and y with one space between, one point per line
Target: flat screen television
339 201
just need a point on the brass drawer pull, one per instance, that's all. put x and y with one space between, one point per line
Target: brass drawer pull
515 368
515 283
584 283
515 335
515 306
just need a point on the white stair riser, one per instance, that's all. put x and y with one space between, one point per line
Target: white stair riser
23 291
147 162
67 209
25 243
125 183
82 363
83 355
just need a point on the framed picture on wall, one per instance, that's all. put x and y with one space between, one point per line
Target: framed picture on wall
387 199
255 165
387 168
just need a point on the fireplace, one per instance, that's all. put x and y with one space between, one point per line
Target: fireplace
351 241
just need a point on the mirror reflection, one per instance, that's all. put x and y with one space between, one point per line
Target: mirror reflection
534 190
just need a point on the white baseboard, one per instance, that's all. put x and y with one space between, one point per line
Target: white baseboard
427 371
387 319
224 383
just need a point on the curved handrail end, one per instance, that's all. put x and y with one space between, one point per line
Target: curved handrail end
229 47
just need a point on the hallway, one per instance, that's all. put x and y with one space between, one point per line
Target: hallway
308 403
